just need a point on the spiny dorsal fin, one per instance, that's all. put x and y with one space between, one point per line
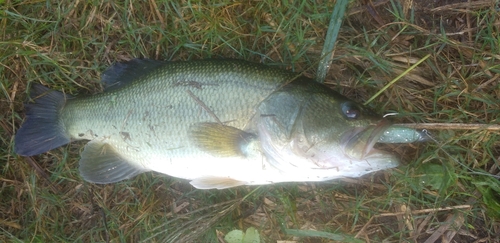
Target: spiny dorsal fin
102 165
122 73
220 140
213 182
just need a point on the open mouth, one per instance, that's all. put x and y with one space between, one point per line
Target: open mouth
359 142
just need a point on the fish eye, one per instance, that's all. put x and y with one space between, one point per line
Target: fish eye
350 110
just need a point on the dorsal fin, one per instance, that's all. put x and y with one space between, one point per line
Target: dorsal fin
123 73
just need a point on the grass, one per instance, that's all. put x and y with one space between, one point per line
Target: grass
450 185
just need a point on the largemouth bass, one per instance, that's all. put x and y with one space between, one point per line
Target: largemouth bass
217 123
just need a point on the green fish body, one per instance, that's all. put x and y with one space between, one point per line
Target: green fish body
217 123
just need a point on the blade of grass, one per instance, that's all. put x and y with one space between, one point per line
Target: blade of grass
453 126
331 38
320 234
397 78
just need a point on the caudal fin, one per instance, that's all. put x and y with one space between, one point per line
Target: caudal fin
42 130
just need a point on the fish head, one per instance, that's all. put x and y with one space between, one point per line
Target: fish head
322 131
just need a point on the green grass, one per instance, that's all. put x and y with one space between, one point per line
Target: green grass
66 46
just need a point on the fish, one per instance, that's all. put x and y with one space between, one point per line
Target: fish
218 123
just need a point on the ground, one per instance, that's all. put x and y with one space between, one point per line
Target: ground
447 189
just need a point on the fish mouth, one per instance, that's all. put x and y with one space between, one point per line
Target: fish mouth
359 142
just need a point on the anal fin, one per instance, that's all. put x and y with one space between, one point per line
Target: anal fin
213 182
101 164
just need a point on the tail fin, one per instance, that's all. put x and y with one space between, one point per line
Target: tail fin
42 130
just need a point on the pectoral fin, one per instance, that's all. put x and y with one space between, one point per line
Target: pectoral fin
220 140
212 182
102 165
